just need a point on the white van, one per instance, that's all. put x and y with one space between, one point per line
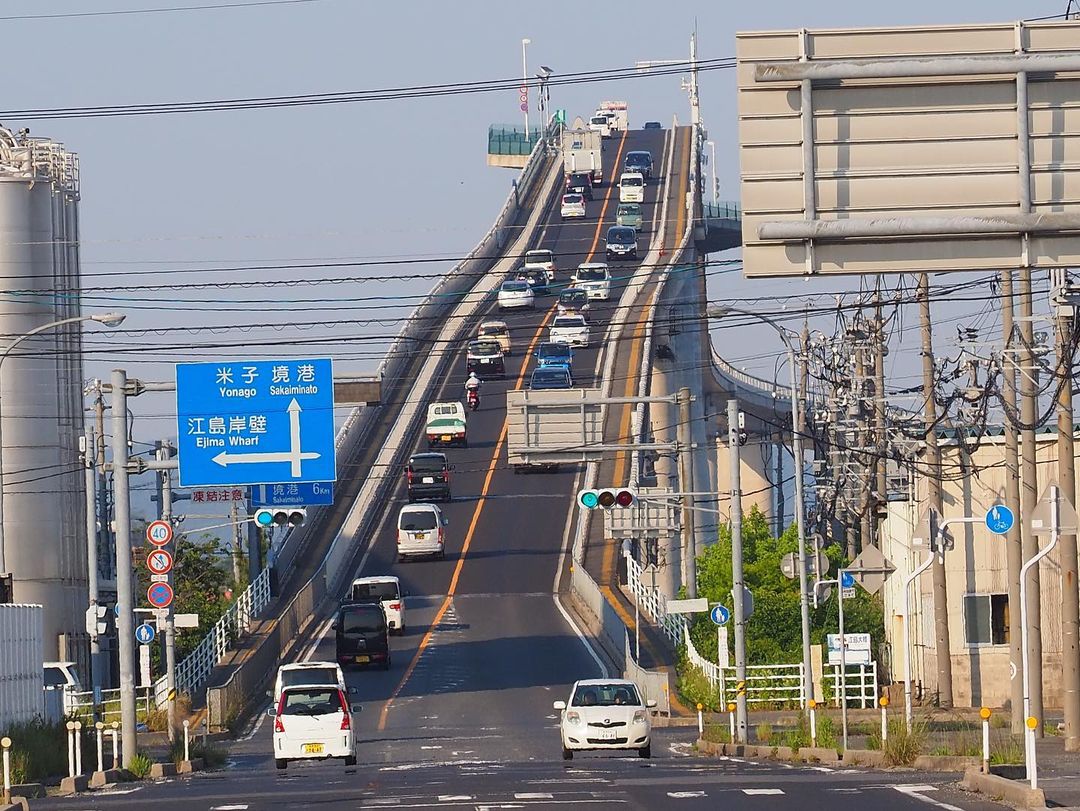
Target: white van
632 187
602 124
309 673
421 530
386 591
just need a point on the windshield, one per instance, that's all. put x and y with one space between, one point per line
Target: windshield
572 297
537 257
571 199
630 209
492 330
598 119
514 287
591 274
549 351
382 590
571 322
638 159
311 701
484 348
605 695
621 235
632 181
362 619
427 464
308 675
550 379
417 520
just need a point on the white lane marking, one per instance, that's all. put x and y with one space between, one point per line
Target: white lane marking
915 791
682 749
116 791
431 747
228 808
756 791
845 790
685 795
255 729
662 192
533 795
454 798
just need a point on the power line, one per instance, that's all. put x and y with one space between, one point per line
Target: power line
160 10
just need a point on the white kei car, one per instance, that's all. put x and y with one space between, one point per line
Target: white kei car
309 673
605 714
313 722
516 294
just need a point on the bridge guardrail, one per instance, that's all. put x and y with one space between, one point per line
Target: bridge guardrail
224 701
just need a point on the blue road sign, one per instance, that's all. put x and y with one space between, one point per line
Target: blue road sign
251 422
307 494
719 614
145 633
847 580
1000 519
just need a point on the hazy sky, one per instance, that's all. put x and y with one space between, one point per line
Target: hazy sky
340 183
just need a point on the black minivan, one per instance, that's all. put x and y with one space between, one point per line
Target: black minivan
427 477
361 635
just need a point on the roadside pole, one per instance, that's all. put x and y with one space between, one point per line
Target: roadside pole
912 578
92 561
686 483
843 654
125 620
163 454
737 589
798 423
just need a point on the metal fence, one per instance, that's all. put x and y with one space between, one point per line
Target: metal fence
652 603
82 703
194 669
860 684
722 210
506 139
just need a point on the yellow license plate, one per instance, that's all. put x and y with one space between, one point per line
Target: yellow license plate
313 748
446 437
360 659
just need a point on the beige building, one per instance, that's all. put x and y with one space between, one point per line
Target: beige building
977 582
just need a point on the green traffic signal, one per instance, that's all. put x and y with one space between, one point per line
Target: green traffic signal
589 499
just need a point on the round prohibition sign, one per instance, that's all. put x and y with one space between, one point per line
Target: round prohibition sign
160 595
159 533
160 561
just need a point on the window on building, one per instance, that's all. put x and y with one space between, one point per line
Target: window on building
986 619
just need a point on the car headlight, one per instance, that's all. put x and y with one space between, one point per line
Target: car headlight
639 716
573 718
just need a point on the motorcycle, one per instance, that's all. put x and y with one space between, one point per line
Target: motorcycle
473 399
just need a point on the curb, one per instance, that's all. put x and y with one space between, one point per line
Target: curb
102 779
1011 791
159 770
189 766
16 804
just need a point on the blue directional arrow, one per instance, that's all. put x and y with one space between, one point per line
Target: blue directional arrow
847 580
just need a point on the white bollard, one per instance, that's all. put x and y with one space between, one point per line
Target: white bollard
884 702
71 748
98 726
78 748
984 713
187 754
115 750
813 722
731 719
1033 767
700 721
5 743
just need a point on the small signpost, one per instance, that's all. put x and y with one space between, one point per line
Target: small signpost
720 614
159 533
692 606
999 519
160 595
160 561
847 585
145 633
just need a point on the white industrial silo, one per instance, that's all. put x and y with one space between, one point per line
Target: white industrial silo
41 389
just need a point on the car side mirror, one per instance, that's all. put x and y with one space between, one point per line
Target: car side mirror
269 693
446 522
559 705
334 627
271 712
353 691
356 707
651 703
452 468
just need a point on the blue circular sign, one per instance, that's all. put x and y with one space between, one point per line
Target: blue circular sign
145 633
847 580
720 614
1000 519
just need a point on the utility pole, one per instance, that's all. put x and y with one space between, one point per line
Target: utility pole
737 587
933 478
234 541
1014 552
1070 597
125 623
881 435
866 518
800 406
684 437
165 478
92 557
1029 495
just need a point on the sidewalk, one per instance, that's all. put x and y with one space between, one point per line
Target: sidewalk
1059 772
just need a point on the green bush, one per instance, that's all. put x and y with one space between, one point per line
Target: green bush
717 733
903 745
694 687
39 750
213 757
140 765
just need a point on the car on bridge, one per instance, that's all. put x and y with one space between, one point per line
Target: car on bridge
485 358
427 476
594 278
569 329
639 160
290 675
421 531
496 331
621 243
573 207
632 187
550 377
557 355
541 259
313 722
629 214
573 300
384 591
580 183
536 279
653 125
516 294
605 714
361 633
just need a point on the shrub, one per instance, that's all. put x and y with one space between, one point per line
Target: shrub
212 756
140 765
695 688
1006 748
764 732
717 733
903 745
39 750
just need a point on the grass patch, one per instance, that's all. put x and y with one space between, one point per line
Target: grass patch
695 688
212 756
1006 749
903 745
140 765
39 750
716 733
764 732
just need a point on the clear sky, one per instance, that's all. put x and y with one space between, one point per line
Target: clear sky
339 183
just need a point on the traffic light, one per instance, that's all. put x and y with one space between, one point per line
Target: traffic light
606 499
7 591
97 620
280 517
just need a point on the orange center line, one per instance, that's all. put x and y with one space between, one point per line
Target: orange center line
607 199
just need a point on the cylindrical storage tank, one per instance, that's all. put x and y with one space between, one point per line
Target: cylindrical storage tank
41 392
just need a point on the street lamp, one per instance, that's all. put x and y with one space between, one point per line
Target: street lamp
109 320
525 85
719 311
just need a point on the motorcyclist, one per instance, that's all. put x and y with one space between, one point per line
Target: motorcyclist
472 386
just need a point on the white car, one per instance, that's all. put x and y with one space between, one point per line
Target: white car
308 673
602 124
632 187
313 722
569 329
386 591
573 207
421 531
541 259
61 686
516 294
605 714
594 278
